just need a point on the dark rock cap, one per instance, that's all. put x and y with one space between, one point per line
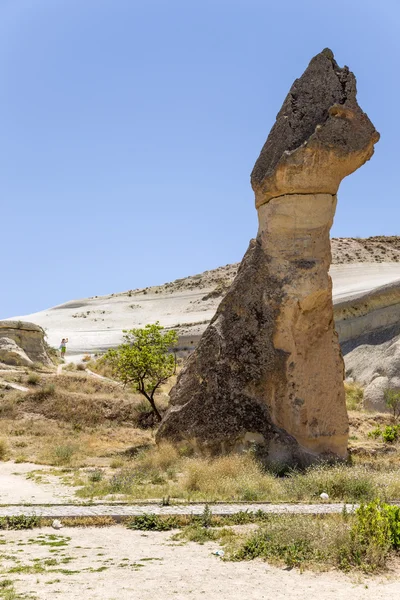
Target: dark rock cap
321 108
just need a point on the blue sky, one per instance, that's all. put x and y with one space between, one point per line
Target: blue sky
130 127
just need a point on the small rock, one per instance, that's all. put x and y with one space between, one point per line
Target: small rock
324 496
56 524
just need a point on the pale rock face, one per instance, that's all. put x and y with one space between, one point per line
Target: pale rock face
374 394
378 369
268 369
294 233
28 337
12 354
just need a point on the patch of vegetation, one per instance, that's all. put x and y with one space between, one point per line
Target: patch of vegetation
7 591
3 449
95 475
194 524
363 541
33 379
163 472
220 290
392 401
63 454
20 522
354 396
8 407
375 532
83 522
341 482
52 353
43 393
53 540
389 434
144 360
149 522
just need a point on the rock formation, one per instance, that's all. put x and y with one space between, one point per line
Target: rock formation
22 343
375 364
268 369
12 354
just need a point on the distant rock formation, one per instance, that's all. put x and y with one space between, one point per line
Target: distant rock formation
22 343
268 369
12 354
374 362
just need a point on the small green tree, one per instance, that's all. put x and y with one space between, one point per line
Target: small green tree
392 400
145 360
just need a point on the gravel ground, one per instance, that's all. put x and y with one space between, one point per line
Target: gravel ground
116 563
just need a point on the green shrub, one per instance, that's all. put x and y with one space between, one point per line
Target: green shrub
206 517
375 433
390 434
339 482
264 544
20 522
33 379
148 522
198 533
375 532
392 401
46 392
95 475
63 454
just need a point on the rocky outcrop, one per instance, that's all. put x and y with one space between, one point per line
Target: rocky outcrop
361 318
29 338
12 354
269 369
375 364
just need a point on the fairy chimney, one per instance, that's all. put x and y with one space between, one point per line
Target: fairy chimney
268 370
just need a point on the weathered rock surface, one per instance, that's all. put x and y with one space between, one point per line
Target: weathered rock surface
12 354
375 364
26 336
320 135
268 369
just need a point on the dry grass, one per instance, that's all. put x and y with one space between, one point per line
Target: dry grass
71 419
77 420
3 449
159 472
100 366
80 400
293 540
229 477
354 396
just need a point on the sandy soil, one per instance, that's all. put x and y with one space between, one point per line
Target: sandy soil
115 563
15 488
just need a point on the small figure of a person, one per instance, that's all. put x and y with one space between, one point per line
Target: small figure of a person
63 347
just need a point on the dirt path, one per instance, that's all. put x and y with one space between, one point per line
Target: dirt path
14 386
117 563
15 488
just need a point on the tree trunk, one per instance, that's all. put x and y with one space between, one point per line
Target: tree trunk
153 405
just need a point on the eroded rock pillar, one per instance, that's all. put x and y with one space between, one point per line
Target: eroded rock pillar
268 369
294 234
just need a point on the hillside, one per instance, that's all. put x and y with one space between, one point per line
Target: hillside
187 304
